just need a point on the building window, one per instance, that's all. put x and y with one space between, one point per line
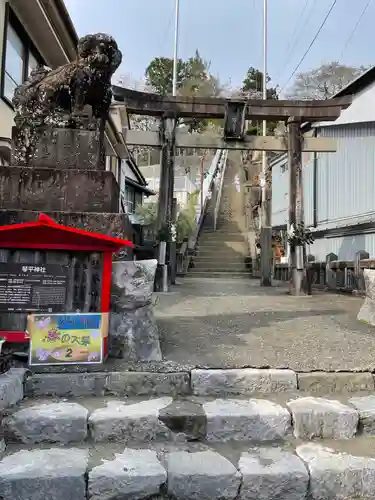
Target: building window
20 56
129 199
284 168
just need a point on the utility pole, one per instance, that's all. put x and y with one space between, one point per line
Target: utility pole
265 229
295 201
171 125
175 51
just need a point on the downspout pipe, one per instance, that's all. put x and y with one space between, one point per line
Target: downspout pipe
315 184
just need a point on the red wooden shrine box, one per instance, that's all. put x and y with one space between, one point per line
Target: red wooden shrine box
46 234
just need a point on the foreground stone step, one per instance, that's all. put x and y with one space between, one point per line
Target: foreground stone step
203 475
269 417
126 422
188 473
242 381
132 474
51 422
44 474
184 381
338 476
247 420
323 418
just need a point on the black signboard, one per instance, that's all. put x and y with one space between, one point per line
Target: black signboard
33 287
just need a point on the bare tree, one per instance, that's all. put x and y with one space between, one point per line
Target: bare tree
143 154
323 82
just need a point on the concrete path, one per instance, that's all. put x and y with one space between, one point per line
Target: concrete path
234 323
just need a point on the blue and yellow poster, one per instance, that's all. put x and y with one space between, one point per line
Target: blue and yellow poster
60 339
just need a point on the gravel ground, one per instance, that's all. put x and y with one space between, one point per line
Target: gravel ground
236 323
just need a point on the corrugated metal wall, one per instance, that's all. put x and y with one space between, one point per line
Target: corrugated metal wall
346 179
345 190
344 247
280 192
280 189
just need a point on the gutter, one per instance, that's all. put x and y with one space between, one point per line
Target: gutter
67 20
147 191
315 184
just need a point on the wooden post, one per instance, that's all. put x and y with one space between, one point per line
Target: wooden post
266 252
170 136
295 201
173 244
167 138
164 179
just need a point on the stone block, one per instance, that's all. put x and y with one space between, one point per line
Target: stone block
132 284
58 190
241 420
11 387
185 417
327 383
66 384
51 422
69 148
129 422
272 474
134 335
242 381
365 406
148 383
52 474
322 418
133 332
367 312
337 476
133 474
203 475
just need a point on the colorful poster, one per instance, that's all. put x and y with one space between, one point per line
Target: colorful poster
60 339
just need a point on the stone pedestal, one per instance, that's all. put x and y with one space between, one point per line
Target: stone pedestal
367 311
51 189
133 333
62 148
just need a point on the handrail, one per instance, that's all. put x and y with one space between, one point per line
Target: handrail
207 185
224 160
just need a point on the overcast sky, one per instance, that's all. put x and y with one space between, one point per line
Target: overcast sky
229 33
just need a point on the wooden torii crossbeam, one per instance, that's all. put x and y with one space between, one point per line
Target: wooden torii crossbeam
235 112
144 103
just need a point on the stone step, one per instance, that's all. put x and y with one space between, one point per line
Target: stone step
216 265
190 472
219 274
172 379
258 419
208 234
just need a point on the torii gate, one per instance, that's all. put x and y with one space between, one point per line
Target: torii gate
235 112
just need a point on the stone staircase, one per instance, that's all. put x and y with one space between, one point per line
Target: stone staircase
223 252
235 434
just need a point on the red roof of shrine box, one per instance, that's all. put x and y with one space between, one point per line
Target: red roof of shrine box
46 234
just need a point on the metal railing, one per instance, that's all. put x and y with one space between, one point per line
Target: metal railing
187 248
222 166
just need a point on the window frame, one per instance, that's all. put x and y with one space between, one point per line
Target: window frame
27 46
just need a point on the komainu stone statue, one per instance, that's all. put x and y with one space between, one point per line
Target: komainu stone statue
74 96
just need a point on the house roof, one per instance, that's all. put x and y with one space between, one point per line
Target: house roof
358 84
354 87
46 234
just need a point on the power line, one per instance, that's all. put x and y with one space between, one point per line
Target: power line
298 30
351 36
311 44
